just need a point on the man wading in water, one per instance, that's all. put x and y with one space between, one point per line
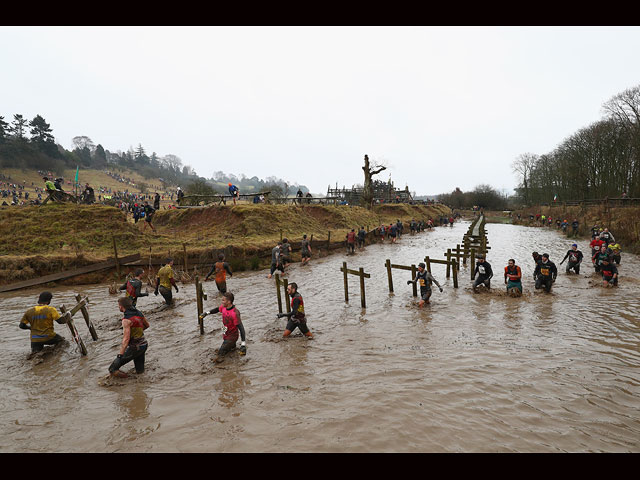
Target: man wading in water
483 274
231 325
306 250
134 287
545 273
513 278
39 320
221 268
164 280
425 278
134 345
297 318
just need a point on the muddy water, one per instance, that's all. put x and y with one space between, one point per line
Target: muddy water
470 372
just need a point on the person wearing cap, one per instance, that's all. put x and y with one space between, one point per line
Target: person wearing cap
545 273
575 259
234 191
609 273
513 277
424 278
39 320
483 273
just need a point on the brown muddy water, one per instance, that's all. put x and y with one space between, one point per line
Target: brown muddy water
469 373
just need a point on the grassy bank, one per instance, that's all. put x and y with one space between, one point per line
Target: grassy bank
623 222
37 241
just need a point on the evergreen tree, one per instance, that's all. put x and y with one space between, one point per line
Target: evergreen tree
18 126
3 129
40 130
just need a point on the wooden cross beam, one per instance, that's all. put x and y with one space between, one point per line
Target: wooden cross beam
360 272
452 266
68 316
412 268
285 283
82 306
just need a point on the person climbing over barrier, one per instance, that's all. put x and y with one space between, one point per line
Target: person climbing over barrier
235 192
231 327
575 259
133 287
296 318
513 278
221 268
134 344
425 279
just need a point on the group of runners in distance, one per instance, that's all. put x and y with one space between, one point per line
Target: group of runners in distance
605 255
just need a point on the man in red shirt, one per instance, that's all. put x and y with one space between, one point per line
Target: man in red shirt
231 326
351 241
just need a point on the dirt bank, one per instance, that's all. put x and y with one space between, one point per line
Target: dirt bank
37 241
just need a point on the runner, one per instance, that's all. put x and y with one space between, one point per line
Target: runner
221 268
149 211
400 228
306 250
425 278
156 201
351 241
483 273
134 287
596 244
393 231
575 259
607 236
296 318
513 277
231 325
545 273
164 281
574 226
235 192
382 232
276 262
599 257
609 274
39 320
134 345
615 255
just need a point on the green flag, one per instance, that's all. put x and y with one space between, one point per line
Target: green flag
77 170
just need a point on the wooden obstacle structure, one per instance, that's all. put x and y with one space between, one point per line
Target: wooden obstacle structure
200 296
285 283
360 272
81 306
412 268
452 267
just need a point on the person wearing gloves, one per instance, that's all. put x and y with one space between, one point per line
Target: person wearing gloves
296 318
575 259
483 273
545 273
425 279
231 327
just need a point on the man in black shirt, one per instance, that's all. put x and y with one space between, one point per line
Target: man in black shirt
483 273
545 273
609 274
424 278
575 259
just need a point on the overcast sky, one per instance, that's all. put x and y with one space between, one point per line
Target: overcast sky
443 107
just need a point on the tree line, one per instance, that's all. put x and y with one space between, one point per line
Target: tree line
598 161
482 196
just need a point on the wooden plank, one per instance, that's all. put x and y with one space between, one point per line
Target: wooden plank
346 281
389 276
278 293
199 305
401 267
115 252
287 299
363 301
356 272
71 273
82 304
415 284
74 331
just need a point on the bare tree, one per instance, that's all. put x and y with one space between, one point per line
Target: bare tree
369 171
523 165
79 143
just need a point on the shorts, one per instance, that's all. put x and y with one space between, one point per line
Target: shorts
511 285
275 267
425 295
306 254
286 259
38 346
148 218
293 323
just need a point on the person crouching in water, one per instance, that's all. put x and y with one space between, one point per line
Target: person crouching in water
134 345
545 273
297 318
609 273
133 287
483 273
221 268
165 280
231 327
39 320
424 278
513 278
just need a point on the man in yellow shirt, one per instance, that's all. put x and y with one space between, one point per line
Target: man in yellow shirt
165 280
39 320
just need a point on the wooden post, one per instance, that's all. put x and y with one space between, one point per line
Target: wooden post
280 234
448 262
74 331
362 295
426 260
199 304
279 294
184 250
472 263
285 284
85 314
455 273
115 252
389 276
413 276
346 282
328 240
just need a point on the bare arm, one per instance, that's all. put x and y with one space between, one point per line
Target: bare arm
126 327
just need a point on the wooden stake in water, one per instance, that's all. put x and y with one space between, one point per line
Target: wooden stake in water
278 293
389 276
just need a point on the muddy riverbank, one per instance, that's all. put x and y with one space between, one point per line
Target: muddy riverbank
470 372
